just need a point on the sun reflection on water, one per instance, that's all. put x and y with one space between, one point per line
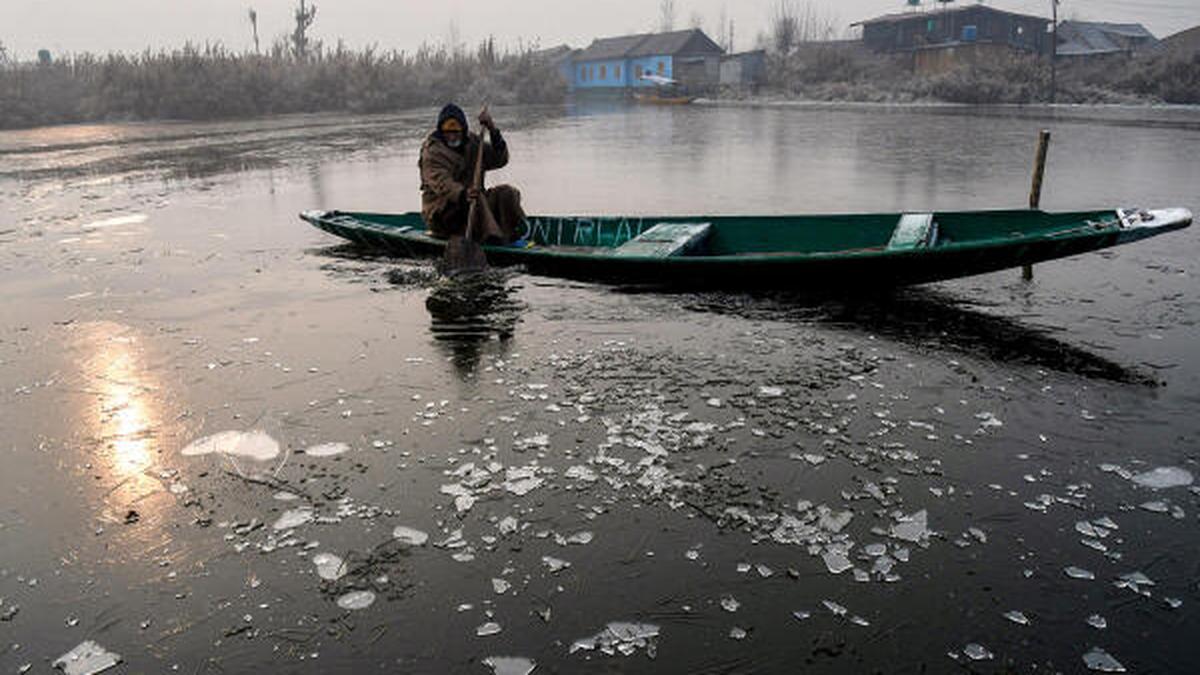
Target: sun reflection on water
127 413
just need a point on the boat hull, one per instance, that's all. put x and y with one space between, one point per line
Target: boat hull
581 248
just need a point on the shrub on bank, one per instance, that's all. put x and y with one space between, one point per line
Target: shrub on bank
210 82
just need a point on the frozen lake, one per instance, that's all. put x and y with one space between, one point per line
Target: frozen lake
231 443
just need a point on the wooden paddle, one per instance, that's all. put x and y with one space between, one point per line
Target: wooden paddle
465 253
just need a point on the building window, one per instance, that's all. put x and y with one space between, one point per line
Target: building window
617 72
637 71
604 72
662 67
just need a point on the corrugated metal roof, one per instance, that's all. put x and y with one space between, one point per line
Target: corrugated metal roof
649 44
935 13
1084 38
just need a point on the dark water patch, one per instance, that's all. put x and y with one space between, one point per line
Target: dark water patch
929 320
468 311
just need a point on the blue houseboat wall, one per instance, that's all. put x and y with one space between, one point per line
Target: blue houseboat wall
650 65
597 74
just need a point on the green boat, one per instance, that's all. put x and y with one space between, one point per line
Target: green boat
779 252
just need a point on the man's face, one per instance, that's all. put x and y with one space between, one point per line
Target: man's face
453 136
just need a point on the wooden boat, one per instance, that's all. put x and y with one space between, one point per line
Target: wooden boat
656 99
817 253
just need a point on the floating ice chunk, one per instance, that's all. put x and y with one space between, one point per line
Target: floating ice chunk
1017 617
619 637
1101 661
1173 603
509 665
801 615
329 566
914 528
770 392
730 603
410 536
463 503
507 525
875 550
255 445
1098 622
355 600
294 518
834 521
284 496
1155 507
535 441
581 472
87 658
832 606
714 402
1107 523
987 419
489 628
836 561
1086 529
1078 573
327 450
581 538
691 554
737 633
1164 477
977 652
859 621
555 565
522 485
813 459
500 586
764 571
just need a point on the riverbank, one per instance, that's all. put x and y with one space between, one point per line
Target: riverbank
211 83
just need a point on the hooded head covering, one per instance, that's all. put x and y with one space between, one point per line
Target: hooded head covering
452 112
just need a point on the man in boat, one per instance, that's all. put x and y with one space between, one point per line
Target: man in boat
447 167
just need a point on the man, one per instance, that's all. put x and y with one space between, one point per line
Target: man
447 167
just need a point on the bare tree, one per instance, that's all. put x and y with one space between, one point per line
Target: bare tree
304 19
3 54
785 26
666 16
696 20
254 28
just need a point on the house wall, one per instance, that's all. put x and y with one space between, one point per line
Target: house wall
937 60
931 28
600 74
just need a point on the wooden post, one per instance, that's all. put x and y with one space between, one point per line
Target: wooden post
1035 192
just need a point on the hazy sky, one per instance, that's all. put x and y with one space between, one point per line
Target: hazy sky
132 25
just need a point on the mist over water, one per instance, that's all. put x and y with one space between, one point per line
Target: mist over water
984 473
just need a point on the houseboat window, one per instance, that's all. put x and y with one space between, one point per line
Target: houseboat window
930 26
603 72
662 67
617 72
637 71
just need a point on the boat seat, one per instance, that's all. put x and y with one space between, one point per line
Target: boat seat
665 240
914 231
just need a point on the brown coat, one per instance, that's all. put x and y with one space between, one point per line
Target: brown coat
446 173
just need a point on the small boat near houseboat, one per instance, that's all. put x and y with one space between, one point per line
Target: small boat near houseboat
813 253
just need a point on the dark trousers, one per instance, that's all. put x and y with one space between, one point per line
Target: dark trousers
504 201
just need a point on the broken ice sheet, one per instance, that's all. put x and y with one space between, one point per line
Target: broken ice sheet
327 450
913 528
489 628
1164 477
730 603
977 652
1101 661
1079 573
620 637
293 518
836 561
509 665
1017 617
87 658
255 445
329 566
410 536
737 633
500 586
1098 622
555 565
355 600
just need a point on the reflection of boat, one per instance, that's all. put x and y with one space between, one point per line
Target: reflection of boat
817 253
664 92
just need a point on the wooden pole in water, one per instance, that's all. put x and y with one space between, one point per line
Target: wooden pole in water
1035 193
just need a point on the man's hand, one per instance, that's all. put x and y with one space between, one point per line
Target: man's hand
473 193
485 118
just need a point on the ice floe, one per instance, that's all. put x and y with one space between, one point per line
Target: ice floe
327 450
410 536
329 566
1101 661
1164 477
620 637
294 518
87 658
255 445
509 665
355 600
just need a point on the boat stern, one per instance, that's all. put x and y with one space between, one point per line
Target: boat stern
1139 224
